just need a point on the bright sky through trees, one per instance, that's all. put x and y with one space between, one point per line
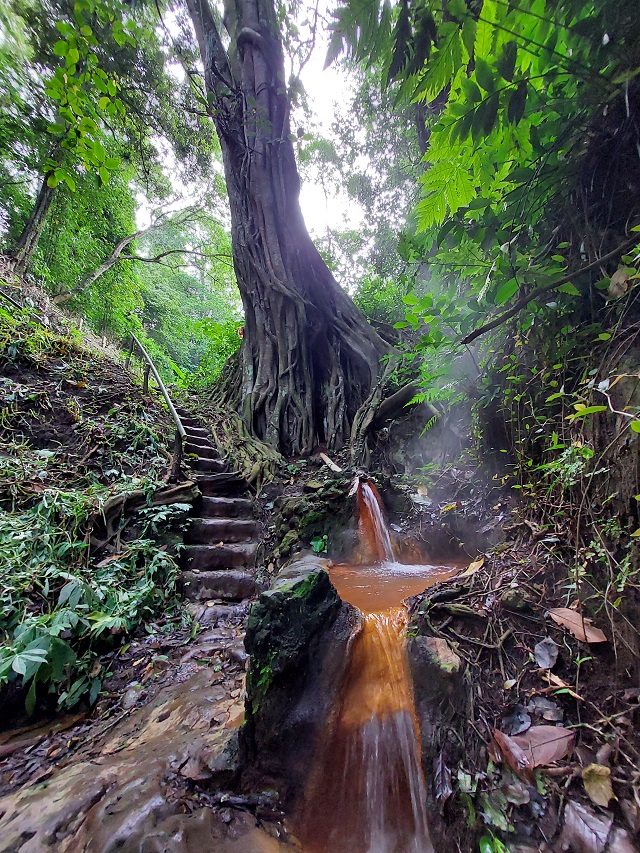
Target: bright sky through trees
326 88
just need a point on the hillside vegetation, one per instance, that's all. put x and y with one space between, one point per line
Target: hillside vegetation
84 524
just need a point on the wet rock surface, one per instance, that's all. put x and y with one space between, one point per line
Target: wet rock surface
153 771
297 635
317 508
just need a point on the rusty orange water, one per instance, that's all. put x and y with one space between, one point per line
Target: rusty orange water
372 526
366 793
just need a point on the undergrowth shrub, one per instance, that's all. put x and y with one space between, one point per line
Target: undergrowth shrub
59 609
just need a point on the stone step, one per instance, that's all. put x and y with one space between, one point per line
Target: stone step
209 507
229 585
189 421
221 484
213 613
208 531
225 556
208 465
196 432
204 449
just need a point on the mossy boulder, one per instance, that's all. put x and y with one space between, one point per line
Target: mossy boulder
297 636
324 508
289 540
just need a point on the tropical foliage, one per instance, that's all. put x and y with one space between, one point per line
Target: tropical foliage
100 131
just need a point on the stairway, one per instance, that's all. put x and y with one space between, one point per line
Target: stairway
218 560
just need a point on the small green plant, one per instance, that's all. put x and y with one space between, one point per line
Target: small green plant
491 844
567 468
156 518
320 544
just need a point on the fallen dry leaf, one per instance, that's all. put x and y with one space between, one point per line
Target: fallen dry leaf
583 830
631 813
545 744
508 750
516 791
619 283
442 779
580 627
516 720
597 784
546 709
472 568
546 653
620 842
111 558
556 681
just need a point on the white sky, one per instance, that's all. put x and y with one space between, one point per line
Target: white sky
325 88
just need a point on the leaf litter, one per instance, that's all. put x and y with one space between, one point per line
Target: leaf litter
581 627
597 784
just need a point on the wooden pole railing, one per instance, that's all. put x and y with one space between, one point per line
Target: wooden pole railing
150 369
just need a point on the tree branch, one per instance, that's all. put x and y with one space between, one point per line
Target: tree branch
160 219
157 258
540 291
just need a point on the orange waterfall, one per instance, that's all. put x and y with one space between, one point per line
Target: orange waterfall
366 793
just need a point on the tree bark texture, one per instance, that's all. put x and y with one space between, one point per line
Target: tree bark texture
309 359
27 242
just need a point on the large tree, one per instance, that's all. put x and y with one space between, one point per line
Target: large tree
309 360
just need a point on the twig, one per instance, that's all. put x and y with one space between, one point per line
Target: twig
330 463
484 645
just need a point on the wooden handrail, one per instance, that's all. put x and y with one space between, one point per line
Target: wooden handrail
11 300
150 367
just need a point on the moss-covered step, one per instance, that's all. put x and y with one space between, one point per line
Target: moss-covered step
229 585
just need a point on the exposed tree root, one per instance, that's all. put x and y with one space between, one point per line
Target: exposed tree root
108 518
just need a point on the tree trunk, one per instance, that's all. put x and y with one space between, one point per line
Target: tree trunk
26 243
309 359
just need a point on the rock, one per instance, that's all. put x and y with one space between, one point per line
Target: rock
441 703
437 677
297 637
440 654
515 599
313 486
211 613
116 794
132 695
237 654
288 541
284 619
228 584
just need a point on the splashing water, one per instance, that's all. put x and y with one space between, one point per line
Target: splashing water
367 793
373 528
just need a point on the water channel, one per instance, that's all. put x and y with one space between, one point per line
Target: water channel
366 793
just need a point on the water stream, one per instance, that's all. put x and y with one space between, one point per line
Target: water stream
366 793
